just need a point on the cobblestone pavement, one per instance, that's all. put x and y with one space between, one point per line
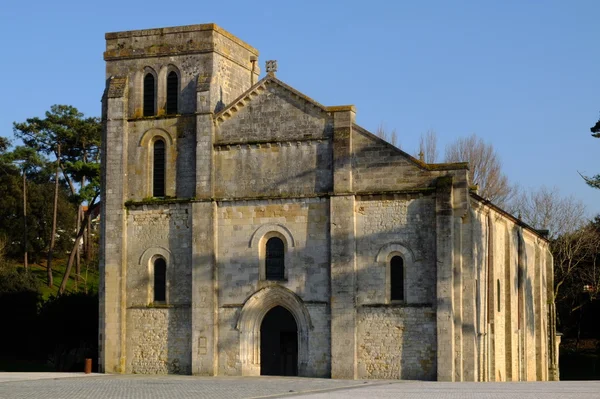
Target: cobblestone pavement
170 387
6 377
469 390
58 386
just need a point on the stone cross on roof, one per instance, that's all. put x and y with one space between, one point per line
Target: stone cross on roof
271 67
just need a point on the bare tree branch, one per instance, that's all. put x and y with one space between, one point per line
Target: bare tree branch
428 146
545 208
485 167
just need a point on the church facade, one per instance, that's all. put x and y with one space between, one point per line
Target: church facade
248 229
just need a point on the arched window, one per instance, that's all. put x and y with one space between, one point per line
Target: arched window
160 280
172 92
274 259
149 95
397 278
158 164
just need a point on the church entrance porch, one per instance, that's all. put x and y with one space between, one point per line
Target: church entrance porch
274 326
279 343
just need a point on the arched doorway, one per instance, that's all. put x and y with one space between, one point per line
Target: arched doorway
250 322
279 343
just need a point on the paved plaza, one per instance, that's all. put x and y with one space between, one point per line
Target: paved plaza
80 386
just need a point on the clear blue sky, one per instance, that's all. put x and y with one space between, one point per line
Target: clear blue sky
523 75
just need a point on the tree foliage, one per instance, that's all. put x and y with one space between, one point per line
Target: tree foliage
61 150
79 139
74 142
594 181
14 162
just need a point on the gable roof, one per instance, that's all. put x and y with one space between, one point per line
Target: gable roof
259 88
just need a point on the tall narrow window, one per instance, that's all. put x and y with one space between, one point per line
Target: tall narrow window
172 93
498 293
275 264
158 176
397 278
160 280
149 94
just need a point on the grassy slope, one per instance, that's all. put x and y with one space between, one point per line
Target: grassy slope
58 271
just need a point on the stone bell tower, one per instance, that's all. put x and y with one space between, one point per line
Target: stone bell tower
162 87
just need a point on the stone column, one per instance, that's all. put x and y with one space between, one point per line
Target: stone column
343 257
445 267
204 303
343 120
113 228
204 139
343 288
521 276
204 320
469 304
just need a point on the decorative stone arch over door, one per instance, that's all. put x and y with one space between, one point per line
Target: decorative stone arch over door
250 320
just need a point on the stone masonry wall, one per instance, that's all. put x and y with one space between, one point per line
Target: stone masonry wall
513 307
397 340
179 137
304 225
231 79
319 358
396 219
275 115
396 343
307 261
228 346
276 144
159 341
379 166
158 335
159 230
189 66
199 51
288 169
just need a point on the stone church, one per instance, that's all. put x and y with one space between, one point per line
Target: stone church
249 230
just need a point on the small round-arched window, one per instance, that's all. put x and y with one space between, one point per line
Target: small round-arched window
160 280
397 278
275 259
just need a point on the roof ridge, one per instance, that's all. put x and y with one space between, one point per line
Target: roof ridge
260 87
241 101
